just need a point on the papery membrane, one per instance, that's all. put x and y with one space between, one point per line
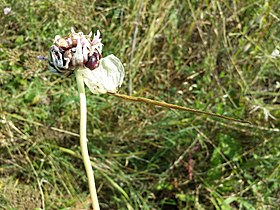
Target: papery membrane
108 77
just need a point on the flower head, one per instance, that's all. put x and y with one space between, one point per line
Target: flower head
7 10
275 53
81 53
76 50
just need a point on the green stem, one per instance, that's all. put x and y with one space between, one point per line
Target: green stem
83 140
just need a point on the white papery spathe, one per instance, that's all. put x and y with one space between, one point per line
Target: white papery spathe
108 77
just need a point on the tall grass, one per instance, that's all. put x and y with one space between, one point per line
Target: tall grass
209 55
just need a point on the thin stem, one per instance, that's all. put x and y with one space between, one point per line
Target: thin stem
133 48
173 106
83 140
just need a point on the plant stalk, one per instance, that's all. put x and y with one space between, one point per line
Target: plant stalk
173 106
83 140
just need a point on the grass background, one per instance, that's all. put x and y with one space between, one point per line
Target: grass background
211 55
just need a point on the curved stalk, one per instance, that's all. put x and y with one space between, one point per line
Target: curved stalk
83 140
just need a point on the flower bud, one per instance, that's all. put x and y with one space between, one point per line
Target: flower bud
93 61
61 42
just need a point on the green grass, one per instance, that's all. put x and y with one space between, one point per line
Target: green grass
209 55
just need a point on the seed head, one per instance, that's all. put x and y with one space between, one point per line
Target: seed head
80 53
76 50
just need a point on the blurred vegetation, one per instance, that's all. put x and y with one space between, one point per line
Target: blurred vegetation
212 55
